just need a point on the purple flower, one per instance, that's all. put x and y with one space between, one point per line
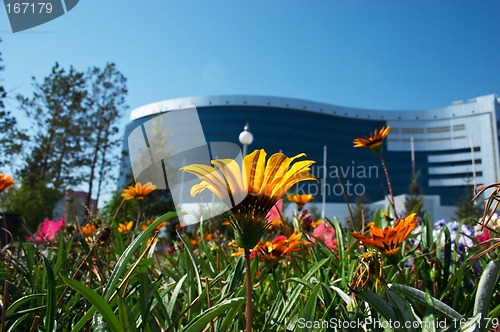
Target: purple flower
440 224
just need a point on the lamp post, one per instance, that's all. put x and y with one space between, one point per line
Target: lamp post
246 138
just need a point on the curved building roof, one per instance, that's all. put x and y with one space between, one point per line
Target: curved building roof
460 108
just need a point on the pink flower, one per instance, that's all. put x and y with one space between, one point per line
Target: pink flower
326 234
48 231
275 212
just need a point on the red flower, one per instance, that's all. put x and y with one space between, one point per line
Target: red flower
483 236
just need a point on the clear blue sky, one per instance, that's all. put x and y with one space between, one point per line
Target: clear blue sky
375 54
371 54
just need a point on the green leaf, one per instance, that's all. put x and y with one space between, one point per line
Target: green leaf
194 266
400 307
98 302
485 290
310 309
379 304
229 318
81 323
18 314
206 317
416 208
237 274
421 296
23 300
472 324
328 300
14 325
51 297
429 320
429 233
175 294
125 316
447 255
128 254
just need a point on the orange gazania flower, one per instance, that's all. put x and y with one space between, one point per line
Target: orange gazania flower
88 230
300 200
125 227
149 222
152 240
316 223
374 141
277 249
250 191
389 239
196 240
5 182
138 191
282 246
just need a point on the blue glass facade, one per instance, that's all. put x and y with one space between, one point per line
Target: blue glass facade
451 149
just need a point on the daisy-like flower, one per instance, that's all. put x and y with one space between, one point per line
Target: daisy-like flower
374 141
252 190
389 239
138 191
277 249
300 200
125 227
197 240
5 182
88 230
280 247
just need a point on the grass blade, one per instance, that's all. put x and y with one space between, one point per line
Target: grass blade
51 297
98 302
205 318
485 290
421 296
379 304
121 265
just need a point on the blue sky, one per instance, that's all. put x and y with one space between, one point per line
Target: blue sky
373 54
370 54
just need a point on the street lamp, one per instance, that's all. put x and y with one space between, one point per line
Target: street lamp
246 138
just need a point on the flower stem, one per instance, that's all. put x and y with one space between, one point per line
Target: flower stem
138 216
391 195
118 209
4 219
248 306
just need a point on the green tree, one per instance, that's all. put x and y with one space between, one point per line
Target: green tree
414 196
54 161
467 209
105 103
11 137
59 114
74 136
